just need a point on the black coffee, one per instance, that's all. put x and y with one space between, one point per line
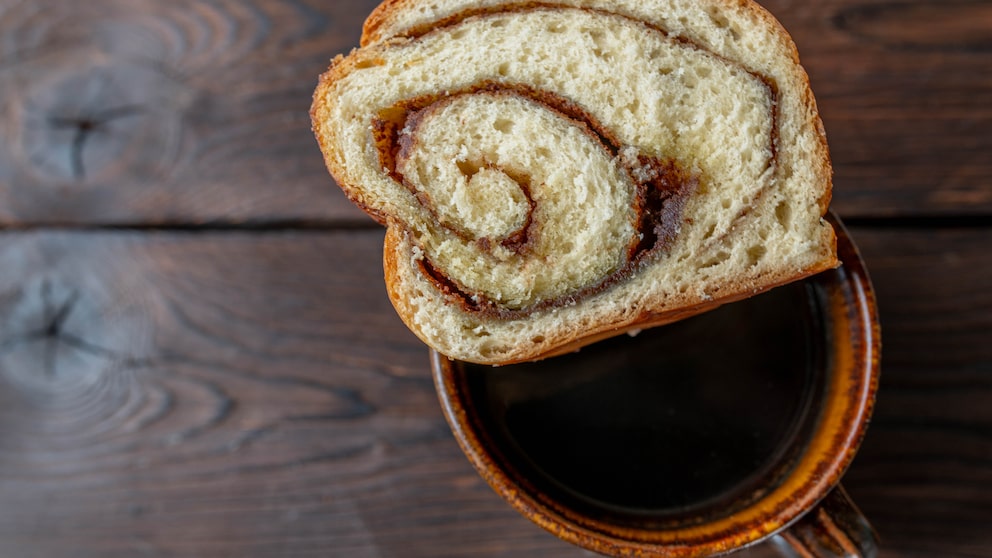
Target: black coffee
685 416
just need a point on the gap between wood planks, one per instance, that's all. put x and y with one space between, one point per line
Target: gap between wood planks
314 225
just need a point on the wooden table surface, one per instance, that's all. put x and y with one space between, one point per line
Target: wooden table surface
197 356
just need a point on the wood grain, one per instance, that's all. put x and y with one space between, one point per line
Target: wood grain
924 475
230 395
903 88
195 111
249 392
167 112
236 394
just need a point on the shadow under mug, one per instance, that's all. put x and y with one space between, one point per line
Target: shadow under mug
693 439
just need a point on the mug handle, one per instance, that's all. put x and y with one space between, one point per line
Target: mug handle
833 529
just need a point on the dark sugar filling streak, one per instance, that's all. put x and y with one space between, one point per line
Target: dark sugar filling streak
662 190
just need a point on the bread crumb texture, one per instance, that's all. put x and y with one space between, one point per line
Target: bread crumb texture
555 173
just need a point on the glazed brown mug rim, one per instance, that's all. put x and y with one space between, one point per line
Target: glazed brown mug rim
846 411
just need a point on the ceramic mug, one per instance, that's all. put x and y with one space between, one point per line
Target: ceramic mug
693 439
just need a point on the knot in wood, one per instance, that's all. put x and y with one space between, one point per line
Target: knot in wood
54 340
88 116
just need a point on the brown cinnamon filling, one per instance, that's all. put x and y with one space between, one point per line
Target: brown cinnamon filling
663 186
662 202
395 136
662 190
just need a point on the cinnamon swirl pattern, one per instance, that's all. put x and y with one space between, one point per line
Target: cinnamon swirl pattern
550 173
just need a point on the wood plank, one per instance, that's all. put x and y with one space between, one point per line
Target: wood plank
903 88
229 395
924 474
196 111
236 394
177 112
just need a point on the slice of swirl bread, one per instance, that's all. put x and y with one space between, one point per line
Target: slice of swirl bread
555 173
